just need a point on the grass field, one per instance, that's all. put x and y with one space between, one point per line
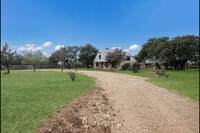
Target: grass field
184 82
29 99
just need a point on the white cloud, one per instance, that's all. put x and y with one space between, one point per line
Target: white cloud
58 47
46 44
39 48
30 48
30 45
116 47
126 50
44 53
133 47
22 48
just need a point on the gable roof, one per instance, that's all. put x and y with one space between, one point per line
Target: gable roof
153 61
128 54
100 60
106 51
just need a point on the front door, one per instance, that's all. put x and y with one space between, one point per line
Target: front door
104 65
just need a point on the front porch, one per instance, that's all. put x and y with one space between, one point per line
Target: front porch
104 66
101 65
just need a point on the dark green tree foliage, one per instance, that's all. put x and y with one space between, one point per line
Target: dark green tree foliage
115 57
65 55
126 66
69 57
75 50
87 54
136 67
175 52
8 57
52 60
60 56
18 60
152 48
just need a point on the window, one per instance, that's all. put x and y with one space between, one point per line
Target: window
97 64
128 58
99 56
113 65
106 65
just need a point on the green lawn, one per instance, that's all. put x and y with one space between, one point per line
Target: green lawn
29 99
184 82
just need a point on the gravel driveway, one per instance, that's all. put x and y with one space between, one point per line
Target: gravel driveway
144 107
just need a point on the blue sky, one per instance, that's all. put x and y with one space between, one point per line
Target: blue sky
45 24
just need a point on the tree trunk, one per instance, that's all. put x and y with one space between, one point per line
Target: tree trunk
166 66
186 65
34 67
175 66
66 66
69 66
183 65
76 64
8 70
115 67
158 66
62 67
178 67
171 66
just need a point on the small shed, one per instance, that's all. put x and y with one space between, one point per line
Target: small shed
150 63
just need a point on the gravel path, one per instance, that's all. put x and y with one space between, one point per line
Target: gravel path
145 107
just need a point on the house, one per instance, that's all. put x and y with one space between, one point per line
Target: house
100 61
152 63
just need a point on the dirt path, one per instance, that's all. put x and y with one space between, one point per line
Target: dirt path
146 108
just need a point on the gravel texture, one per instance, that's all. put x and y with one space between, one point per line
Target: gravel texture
128 104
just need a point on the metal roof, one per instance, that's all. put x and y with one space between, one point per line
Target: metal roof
127 54
100 60
106 51
152 61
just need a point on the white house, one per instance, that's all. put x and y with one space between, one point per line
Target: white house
100 61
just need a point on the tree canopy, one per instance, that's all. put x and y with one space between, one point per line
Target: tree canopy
33 58
9 57
115 57
87 54
65 56
60 56
175 52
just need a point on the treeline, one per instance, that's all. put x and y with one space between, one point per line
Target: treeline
175 52
65 56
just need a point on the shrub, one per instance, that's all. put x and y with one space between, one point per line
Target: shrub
136 67
72 75
160 72
166 75
126 66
